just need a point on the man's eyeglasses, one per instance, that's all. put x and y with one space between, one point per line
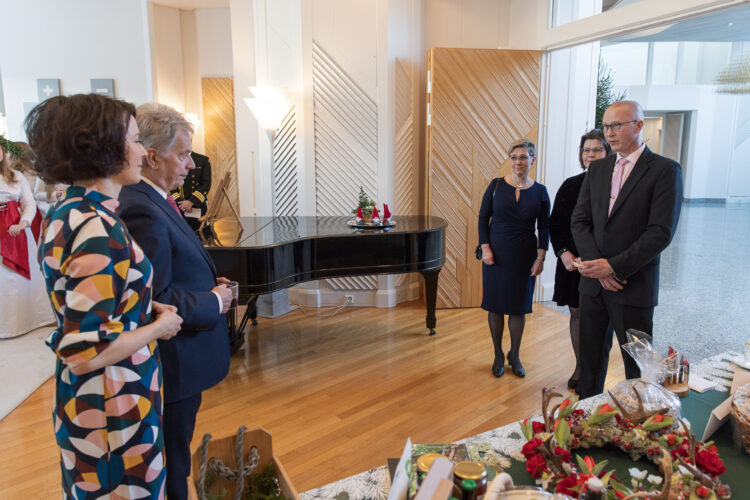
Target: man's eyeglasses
596 151
519 158
615 127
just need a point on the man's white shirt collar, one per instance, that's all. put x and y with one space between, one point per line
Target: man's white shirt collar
159 190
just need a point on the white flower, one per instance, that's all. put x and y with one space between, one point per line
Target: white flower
637 474
655 479
684 471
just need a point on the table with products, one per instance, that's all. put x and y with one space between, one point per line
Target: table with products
508 441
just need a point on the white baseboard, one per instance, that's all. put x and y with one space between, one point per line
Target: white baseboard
307 296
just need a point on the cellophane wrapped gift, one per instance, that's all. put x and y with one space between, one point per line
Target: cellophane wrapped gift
653 370
654 397
741 417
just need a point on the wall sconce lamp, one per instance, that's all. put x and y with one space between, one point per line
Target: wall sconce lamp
193 119
269 106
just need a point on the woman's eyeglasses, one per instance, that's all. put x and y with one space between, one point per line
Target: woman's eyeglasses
596 151
519 158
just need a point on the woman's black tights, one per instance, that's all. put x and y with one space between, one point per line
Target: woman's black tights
516 323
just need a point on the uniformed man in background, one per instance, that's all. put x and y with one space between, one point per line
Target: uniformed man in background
191 197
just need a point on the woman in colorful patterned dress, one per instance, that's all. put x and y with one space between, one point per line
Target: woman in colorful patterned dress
108 405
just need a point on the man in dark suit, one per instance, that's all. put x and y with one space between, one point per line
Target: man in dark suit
184 275
192 195
626 214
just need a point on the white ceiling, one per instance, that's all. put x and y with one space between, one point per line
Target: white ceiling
194 4
729 25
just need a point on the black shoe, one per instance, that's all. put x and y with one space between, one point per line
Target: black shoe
572 383
498 367
516 366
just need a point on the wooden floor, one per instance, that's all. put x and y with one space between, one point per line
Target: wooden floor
341 394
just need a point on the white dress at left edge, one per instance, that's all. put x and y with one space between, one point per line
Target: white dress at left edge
24 304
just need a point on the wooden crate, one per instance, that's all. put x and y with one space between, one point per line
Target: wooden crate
223 448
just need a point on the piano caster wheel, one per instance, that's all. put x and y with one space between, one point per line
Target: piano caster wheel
254 322
432 332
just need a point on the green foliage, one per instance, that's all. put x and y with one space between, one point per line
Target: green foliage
364 201
10 147
605 95
562 433
208 484
264 485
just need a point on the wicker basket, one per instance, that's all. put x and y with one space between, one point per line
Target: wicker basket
224 449
741 416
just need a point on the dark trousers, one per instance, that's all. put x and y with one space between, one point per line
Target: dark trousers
179 424
599 315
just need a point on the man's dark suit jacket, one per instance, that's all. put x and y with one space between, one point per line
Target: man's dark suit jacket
641 225
184 274
197 183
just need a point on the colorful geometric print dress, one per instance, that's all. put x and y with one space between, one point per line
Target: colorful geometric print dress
107 422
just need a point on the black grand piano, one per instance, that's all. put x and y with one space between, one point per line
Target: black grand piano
265 254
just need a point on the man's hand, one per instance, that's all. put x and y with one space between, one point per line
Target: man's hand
226 296
221 280
597 268
185 206
610 283
567 259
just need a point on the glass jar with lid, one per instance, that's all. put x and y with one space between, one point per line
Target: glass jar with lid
474 471
424 462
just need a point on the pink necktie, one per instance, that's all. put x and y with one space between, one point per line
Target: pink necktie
614 190
172 204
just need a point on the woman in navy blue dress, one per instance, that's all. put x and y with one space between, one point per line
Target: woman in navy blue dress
512 254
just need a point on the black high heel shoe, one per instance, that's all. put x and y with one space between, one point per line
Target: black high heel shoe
516 366
498 367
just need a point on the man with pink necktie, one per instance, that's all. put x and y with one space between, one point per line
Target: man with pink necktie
626 215
197 358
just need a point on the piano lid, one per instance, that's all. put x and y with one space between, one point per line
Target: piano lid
270 231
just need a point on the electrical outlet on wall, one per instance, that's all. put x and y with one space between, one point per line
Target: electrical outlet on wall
349 299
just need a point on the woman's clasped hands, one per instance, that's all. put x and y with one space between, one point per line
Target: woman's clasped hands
167 320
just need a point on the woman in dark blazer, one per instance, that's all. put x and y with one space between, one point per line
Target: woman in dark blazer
593 147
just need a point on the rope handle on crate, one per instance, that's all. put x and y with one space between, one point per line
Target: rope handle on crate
217 466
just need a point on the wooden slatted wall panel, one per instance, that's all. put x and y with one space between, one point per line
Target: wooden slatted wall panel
480 101
218 120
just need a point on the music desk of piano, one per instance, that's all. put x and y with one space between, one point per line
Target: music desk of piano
266 254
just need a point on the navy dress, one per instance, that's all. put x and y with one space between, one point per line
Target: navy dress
508 226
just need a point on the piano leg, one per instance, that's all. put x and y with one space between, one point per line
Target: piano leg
430 286
250 313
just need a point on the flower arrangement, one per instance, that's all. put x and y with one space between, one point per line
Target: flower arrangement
691 468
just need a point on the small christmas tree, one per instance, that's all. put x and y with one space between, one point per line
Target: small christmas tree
365 203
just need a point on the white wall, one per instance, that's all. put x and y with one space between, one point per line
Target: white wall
715 165
169 81
243 64
74 41
478 24
214 42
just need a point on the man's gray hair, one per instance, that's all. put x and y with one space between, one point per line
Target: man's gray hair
159 125
520 143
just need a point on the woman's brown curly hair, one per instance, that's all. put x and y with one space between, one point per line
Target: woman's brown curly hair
78 137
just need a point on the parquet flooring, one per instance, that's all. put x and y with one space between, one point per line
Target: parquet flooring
341 394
